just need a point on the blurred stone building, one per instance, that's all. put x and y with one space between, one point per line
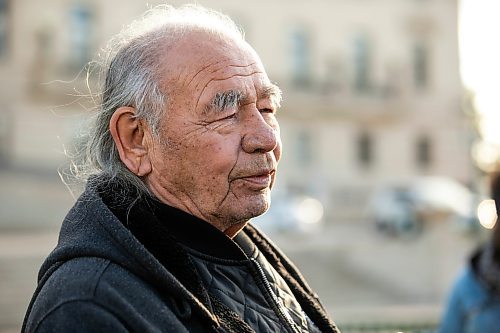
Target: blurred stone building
372 88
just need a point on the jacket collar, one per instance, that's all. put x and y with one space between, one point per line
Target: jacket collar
149 213
486 267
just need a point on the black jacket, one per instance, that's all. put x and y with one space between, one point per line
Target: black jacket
153 268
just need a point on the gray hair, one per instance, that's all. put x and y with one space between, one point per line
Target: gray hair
131 70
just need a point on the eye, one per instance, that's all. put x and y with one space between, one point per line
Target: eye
231 116
267 110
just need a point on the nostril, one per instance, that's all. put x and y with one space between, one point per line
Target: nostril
260 142
260 132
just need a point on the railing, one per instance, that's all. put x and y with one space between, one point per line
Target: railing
389 328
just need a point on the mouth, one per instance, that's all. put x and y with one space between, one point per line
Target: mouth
260 180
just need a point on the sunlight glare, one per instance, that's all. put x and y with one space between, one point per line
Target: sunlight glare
310 211
487 213
480 65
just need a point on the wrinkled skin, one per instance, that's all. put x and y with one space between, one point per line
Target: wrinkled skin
218 166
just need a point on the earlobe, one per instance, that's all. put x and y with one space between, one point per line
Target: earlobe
129 134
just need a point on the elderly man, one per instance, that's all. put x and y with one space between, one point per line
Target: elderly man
184 149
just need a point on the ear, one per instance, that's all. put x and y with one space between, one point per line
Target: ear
129 134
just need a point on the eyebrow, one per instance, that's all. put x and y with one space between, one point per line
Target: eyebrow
225 100
273 92
232 98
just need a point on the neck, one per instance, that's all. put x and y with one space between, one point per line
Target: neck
234 229
184 203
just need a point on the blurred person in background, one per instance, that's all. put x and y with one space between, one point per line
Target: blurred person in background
183 154
474 303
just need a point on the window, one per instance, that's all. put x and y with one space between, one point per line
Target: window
5 136
301 57
43 42
420 65
424 152
81 34
365 150
304 148
4 26
362 63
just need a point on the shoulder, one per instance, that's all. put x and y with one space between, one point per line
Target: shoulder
468 283
77 278
97 292
78 315
468 290
92 278
68 295
470 305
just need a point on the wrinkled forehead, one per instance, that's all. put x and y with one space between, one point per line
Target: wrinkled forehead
200 60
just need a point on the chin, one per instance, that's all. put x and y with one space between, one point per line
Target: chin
245 208
258 209
237 219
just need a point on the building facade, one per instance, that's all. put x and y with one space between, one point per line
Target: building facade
372 91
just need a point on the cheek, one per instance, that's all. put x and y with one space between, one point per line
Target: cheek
277 150
217 157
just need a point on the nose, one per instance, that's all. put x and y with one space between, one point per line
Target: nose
261 133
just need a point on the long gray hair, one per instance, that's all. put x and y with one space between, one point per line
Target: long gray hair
131 76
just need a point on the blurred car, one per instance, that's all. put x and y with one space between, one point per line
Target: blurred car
291 213
394 210
403 209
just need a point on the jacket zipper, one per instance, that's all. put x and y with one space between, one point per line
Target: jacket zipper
282 310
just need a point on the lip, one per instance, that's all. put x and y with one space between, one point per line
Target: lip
260 180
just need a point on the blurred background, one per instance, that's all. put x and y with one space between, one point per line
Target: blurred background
390 126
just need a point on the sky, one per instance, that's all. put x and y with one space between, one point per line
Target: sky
480 68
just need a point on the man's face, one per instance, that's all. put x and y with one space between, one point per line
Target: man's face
219 141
